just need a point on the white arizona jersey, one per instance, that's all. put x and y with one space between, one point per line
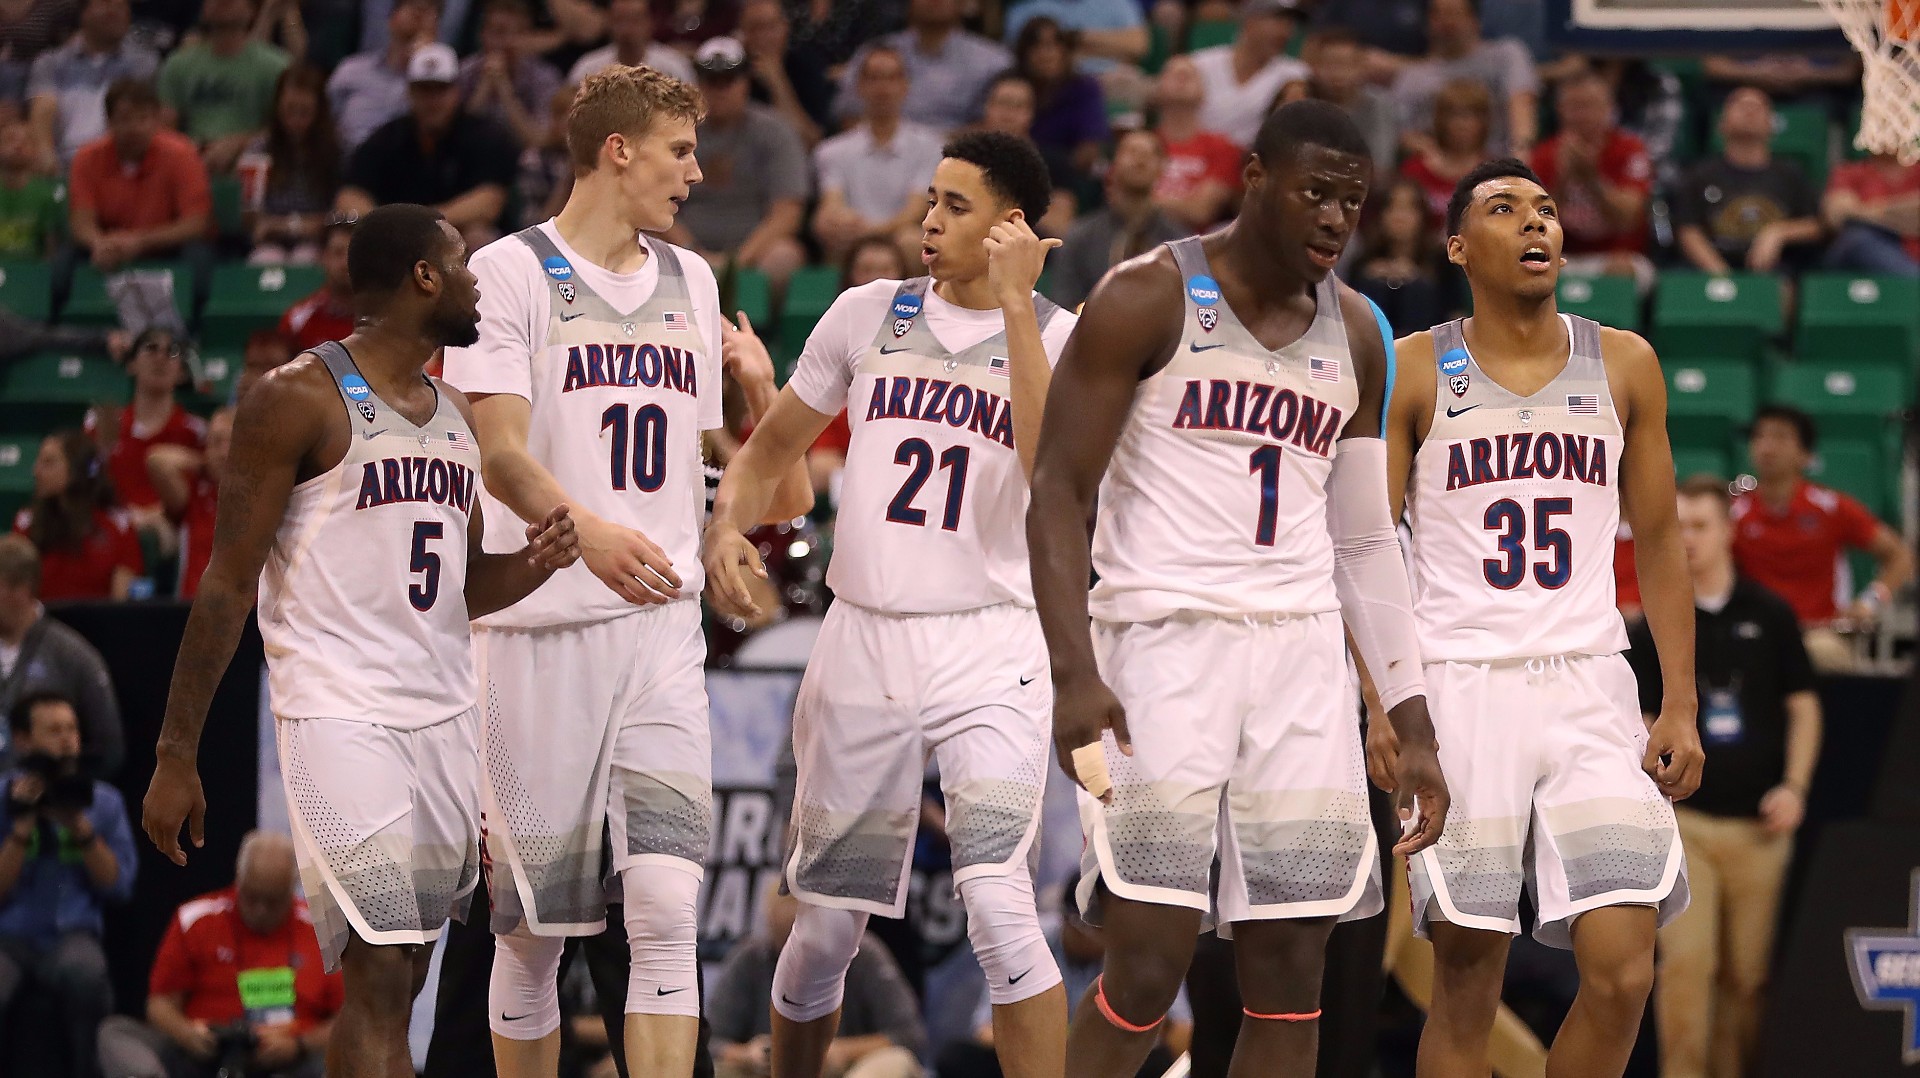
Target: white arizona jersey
1514 505
363 605
932 515
1216 497
623 373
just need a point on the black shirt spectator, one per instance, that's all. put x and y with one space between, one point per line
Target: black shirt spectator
39 654
1744 207
793 82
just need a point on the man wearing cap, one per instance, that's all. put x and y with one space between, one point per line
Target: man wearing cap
437 154
749 208
1242 78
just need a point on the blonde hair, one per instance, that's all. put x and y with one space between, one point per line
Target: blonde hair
623 100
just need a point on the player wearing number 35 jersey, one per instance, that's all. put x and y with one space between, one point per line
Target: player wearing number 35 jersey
932 646
1515 439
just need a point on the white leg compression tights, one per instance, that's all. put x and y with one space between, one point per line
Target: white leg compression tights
810 979
523 995
1005 931
661 897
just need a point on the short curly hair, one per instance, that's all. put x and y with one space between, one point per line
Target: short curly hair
1013 168
623 100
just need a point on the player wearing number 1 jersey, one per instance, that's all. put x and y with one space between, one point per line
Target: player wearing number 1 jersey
597 371
931 646
350 504
1516 438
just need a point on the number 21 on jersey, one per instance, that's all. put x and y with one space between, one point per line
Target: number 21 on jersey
918 456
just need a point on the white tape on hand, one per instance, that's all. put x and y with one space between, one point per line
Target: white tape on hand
1090 766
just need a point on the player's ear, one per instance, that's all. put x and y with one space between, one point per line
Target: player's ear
1457 251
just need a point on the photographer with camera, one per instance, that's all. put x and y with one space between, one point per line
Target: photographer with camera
66 849
238 987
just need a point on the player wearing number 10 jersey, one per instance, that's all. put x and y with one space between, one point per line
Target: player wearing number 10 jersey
1516 436
932 646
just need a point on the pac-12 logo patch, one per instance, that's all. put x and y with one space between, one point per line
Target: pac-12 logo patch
1459 383
355 387
1209 318
557 268
1886 970
366 410
1454 362
567 293
1203 290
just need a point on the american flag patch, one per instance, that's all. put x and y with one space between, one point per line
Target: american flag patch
675 320
1583 404
1323 370
459 440
999 365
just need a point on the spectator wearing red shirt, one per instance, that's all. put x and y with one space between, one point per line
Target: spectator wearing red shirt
88 549
140 192
1873 207
246 957
327 314
154 418
1600 176
1789 534
1202 177
189 486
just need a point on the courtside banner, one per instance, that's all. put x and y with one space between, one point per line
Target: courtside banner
1700 15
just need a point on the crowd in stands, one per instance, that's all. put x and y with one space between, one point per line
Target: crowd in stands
197 136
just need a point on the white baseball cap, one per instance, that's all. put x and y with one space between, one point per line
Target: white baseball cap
433 62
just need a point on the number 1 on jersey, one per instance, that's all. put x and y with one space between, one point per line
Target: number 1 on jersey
1265 463
918 455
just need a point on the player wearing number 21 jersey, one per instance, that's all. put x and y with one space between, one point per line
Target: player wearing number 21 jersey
1516 437
932 646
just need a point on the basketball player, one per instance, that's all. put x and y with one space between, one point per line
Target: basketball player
1229 390
1515 438
596 371
932 646
352 485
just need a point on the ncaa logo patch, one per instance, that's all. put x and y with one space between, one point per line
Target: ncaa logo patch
905 310
1454 362
355 387
566 292
1458 383
1885 963
557 268
1209 318
366 410
1203 290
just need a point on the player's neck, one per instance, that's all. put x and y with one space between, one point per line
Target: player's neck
974 293
1242 255
591 223
1506 325
391 354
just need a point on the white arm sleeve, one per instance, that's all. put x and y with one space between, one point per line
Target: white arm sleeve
1369 573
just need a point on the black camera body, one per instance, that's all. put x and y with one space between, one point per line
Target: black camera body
67 784
233 1050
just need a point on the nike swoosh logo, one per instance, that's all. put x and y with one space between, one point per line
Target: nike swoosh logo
885 351
789 1001
370 435
505 1017
1026 681
1196 346
664 991
1455 413
1023 973
574 315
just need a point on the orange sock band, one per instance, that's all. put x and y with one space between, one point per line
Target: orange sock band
1107 1012
1307 1016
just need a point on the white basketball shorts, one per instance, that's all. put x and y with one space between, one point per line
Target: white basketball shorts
1542 758
1246 742
591 727
385 823
880 694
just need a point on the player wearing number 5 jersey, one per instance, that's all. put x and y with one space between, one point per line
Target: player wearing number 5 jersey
1515 439
932 646
351 504
1222 397
596 373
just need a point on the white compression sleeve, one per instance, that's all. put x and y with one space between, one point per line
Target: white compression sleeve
1369 573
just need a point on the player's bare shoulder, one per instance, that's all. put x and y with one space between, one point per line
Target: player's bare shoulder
1134 316
293 413
1633 373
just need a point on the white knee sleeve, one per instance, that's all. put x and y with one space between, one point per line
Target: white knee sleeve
523 995
811 977
1005 931
661 938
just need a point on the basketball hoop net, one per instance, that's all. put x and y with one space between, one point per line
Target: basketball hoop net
1886 33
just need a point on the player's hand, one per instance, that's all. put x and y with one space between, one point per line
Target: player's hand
1674 758
628 562
1421 799
1015 257
743 355
1084 709
554 543
1383 751
1782 809
174 797
729 556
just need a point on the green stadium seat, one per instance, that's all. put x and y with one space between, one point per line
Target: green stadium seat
1702 316
17 451
1855 466
221 369
248 298
26 289
1844 315
752 293
1207 33
1609 301
39 418
1709 401
1847 398
228 215
1702 460
89 304
809 294
67 379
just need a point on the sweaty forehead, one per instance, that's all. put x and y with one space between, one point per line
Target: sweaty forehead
1516 188
1313 159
